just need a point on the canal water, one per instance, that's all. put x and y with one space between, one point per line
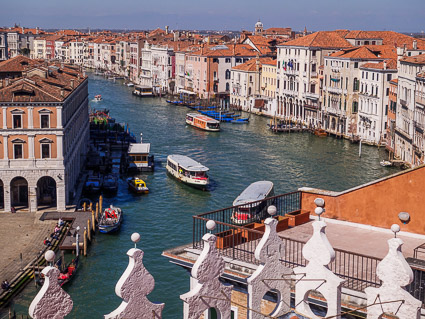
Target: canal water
237 156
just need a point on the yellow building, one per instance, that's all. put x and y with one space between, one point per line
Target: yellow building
268 79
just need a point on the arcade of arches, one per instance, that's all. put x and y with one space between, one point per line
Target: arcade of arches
29 194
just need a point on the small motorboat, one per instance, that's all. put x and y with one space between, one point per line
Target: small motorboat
320 132
110 220
98 98
137 185
130 84
93 185
110 184
385 163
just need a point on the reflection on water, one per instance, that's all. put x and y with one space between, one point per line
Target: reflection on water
236 156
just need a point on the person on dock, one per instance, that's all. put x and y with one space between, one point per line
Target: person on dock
5 285
13 209
47 242
60 222
54 235
57 229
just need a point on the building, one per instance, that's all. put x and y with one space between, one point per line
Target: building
3 46
298 83
15 67
45 132
419 120
391 118
410 68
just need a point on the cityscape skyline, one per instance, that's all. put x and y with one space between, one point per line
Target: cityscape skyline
237 15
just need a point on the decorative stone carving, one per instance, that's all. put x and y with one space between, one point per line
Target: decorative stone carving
51 301
317 276
208 291
395 273
269 252
133 287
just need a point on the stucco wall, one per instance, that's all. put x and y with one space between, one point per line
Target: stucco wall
377 203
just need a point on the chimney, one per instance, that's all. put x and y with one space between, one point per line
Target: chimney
22 30
36 30
202 49
176 36
6 82
166 29
234 49
415 44
385 65
1 83
72 84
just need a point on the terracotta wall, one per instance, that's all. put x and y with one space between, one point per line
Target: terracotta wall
37 146
36 116
379 203
10 145
24 116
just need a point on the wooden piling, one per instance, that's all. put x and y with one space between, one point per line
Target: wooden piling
93 221
85 242
100 204
91 206
97 211
84 206
88 229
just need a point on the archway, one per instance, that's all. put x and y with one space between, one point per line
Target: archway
1 195
19 192
46 192
333 125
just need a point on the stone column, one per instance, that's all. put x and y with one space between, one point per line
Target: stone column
7 195
59 145
5 149
32 198
60 195
4 117
31 146
59 117
30 117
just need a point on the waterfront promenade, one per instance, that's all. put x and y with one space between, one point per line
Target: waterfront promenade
21 233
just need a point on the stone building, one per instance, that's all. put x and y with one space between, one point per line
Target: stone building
45 132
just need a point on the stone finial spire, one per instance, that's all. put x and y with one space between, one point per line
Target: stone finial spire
208 291
51 301
395 273
269 252
133 287
319 253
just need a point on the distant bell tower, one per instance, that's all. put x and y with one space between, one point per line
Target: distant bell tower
259 28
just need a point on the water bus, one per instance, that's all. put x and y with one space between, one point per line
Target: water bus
143 91
202 122
188 171
139 158
247 211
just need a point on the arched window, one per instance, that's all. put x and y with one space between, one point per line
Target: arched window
227 87
227 74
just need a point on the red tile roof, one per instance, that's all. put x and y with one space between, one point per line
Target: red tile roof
385 65
226 50
321 39
417 59
17 64
251 65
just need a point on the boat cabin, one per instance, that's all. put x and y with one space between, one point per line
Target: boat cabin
143 91
139 158
187 170
250 207
202 122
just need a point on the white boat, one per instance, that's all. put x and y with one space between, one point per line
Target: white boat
98 98
143 91
385 163
202 122
139 158
130 84
188 171
251 203
111 219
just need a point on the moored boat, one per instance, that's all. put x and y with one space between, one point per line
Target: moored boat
251 203
110 184
188 171
137 185
143 91
320 132
202 122
110 220
385 163
93 185
139 158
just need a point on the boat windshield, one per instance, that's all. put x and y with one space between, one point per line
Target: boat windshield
189 118
199 175
213 125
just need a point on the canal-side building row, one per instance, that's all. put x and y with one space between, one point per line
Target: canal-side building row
44 134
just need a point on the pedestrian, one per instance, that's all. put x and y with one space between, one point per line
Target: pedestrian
13 209
57 229
47 242
54 235
60 222
5 285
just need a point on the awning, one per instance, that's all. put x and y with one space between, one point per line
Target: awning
186 92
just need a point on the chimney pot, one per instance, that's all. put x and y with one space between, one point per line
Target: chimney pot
62 93
72 84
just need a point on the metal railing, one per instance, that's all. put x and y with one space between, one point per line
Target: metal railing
239 242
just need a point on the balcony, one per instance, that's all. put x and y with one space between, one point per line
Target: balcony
418 126
334 90
289 71
314 75
403 103
289 93
311 96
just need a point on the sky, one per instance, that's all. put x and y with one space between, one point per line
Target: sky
402 16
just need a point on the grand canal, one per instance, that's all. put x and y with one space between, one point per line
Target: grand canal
237 156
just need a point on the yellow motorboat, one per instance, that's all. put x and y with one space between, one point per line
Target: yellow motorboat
137 185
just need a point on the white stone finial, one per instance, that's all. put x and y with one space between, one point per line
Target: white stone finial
317 276
51 301
395 273
272 210
395 229
320 202
135 238
211 225
208 291
133 287
50 256
269 252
